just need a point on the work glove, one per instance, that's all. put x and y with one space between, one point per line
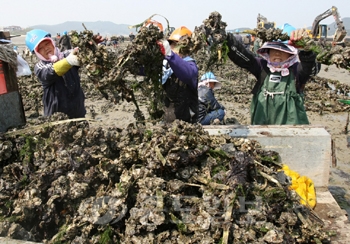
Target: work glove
164 47
231 41
72 58
61 67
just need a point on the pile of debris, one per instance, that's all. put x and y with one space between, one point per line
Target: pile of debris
64 181
67 181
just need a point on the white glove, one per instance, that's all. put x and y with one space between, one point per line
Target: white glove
164 47
72 58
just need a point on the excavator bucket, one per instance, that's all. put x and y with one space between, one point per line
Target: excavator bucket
339 35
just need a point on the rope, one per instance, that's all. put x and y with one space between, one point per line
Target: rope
8 55
272 94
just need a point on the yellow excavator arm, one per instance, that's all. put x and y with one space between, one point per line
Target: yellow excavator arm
262 22
318 30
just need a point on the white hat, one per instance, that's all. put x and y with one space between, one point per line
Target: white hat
210 77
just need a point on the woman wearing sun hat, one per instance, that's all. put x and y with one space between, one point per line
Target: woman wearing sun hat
281 71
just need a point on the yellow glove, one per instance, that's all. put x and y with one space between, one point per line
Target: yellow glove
302 185
61 67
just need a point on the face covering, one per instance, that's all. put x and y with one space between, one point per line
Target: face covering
280 66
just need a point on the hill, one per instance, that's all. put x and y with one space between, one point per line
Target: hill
333 26
105 28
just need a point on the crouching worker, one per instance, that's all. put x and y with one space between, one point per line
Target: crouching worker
210 111
58 74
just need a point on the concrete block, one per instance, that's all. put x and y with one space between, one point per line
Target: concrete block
304 148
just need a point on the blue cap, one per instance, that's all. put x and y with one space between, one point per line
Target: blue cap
33 37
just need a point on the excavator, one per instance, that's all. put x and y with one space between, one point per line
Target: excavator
262 22
319 31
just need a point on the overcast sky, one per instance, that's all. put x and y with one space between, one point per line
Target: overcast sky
190 13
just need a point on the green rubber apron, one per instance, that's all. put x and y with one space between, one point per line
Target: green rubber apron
278 103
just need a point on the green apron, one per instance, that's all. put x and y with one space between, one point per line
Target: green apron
278 103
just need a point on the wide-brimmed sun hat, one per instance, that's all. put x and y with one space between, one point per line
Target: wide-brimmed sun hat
280 46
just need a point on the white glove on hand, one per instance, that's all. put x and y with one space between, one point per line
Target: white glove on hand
72 58
164 47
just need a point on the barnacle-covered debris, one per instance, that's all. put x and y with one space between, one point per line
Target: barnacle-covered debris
213 30
73 182
110 71
272 34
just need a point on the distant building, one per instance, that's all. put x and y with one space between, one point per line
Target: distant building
12 28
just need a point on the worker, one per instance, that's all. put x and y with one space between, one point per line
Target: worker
256 45
64 42
281 74
58 74
247 41
180 78
57 39
210 111
238 36
131 36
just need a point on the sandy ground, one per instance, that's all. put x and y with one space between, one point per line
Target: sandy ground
122 114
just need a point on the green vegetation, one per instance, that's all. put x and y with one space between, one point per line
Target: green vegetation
106 236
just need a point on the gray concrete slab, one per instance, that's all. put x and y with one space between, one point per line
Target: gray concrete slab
305 149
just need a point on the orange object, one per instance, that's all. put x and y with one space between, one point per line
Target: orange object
180 32
153 22
3 88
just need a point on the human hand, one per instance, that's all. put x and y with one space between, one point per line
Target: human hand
53 58
296 36
97 39
164 47
72 58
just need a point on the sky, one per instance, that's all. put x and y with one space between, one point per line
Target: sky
189 13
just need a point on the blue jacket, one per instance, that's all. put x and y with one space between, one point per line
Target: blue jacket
61 93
